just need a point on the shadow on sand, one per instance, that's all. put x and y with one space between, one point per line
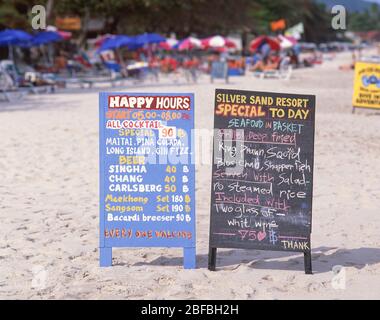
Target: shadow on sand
323 259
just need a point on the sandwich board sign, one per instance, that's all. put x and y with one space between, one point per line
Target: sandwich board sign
262 174
147 174
366 86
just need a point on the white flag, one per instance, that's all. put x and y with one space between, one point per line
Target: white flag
295 31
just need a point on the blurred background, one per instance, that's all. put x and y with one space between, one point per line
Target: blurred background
89 42
245 18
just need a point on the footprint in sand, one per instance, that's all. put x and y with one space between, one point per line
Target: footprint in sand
267 278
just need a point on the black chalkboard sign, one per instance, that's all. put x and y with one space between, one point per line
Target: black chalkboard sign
262 175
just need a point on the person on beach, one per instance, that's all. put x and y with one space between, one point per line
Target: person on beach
351 66
271 62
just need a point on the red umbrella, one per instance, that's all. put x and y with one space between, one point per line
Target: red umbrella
218 42
164 45
65 34
292 39
168 44
188 44
259 41
221 49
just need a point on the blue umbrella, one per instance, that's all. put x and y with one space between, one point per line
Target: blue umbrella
42 38
13 37
116 42
46 37
148 38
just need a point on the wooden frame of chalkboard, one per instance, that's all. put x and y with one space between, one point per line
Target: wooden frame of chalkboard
262 173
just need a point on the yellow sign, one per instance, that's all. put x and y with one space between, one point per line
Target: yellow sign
367 85
68 23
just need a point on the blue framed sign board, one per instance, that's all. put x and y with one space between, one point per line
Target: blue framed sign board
147 172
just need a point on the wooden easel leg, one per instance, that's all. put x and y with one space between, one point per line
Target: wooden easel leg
189 258
307 261
212 259
105 256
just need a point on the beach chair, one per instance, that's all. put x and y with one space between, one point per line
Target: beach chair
12 95
138 71
114 75
7 88
219 70
89 81
28 84
24 81
283 72
113 80
191 75
110 75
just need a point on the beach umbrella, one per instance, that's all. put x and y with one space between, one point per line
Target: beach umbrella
220 49
66 35
188 44
148 38
14 37
168 44
165 45
100 39
292 39
117 42
45 37
218 42
287 42
257 43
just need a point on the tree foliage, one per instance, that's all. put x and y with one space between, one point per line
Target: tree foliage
365 21
16 13
184 17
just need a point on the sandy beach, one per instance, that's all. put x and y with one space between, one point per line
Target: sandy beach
49 204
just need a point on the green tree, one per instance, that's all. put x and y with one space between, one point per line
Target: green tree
365 21
202 17
16 13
